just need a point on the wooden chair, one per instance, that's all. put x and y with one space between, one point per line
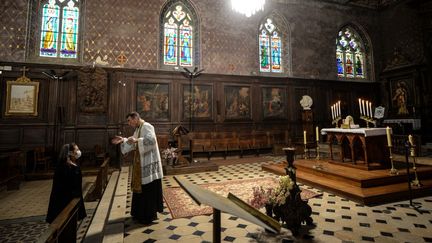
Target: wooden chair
41 159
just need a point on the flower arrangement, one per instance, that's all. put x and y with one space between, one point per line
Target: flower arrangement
264 196
169 154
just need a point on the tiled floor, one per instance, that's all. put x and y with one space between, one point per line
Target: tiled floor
337 219
22 212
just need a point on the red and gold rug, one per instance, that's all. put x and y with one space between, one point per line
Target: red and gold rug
181 205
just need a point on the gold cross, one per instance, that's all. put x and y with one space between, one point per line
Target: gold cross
24 69
121 59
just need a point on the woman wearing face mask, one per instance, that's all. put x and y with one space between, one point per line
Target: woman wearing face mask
67 183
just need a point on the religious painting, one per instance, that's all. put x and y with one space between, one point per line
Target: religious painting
92 90
274 102
199 101
401 96
153 101
22 97
237 102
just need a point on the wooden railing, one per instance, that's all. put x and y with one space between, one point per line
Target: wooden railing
100 183
64 226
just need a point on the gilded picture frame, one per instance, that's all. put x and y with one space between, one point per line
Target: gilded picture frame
153 102
22 97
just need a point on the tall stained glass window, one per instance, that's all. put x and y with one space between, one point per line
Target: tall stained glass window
178 36
270 48
59 29
350 54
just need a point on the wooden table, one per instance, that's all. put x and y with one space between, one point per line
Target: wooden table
364 148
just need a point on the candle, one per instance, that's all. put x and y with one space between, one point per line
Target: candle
370 108
339 108
361 112
332 110
317 134
363 106
388 131
304 137
367 108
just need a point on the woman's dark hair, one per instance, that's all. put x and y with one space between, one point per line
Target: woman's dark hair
64 152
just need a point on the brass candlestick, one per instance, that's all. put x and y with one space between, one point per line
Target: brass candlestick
368 120
336 121
393 170
305 152
416 181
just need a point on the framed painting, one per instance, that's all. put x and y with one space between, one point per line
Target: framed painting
22 97
401 96
199 102
274 102
237 102
152 101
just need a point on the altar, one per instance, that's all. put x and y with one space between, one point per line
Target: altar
364 148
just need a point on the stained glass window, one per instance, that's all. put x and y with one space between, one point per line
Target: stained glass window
270 48
350 54
59 29
178 36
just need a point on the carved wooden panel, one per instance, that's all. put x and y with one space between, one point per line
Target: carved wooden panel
92 90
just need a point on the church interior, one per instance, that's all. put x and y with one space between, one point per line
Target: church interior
334 96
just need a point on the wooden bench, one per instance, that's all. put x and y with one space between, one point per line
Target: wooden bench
11 164
101 181
64 226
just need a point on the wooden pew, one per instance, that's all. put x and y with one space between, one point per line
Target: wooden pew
64 226
100 183
11 164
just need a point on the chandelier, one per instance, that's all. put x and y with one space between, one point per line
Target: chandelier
247 7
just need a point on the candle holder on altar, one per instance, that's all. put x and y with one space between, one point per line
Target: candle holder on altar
306 152
368 120
416 181
393 170
336 121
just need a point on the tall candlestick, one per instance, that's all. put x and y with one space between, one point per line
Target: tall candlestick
370 108
361 112
363 106
304 137
317 134
389 141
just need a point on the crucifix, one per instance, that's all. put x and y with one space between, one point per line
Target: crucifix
24 69
191 75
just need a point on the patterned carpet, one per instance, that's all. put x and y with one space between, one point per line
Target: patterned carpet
181 205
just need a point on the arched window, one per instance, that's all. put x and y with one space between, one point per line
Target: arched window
59 29
179 35
270 47
350 54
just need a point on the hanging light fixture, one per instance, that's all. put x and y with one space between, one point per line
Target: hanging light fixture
247 7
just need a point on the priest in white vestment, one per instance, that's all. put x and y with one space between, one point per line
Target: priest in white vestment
147 172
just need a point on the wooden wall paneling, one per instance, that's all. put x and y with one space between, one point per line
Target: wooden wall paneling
10 137
36 136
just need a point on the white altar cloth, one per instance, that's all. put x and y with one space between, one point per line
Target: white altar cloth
367 132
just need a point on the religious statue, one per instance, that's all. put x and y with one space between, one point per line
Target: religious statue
306 102
400 97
